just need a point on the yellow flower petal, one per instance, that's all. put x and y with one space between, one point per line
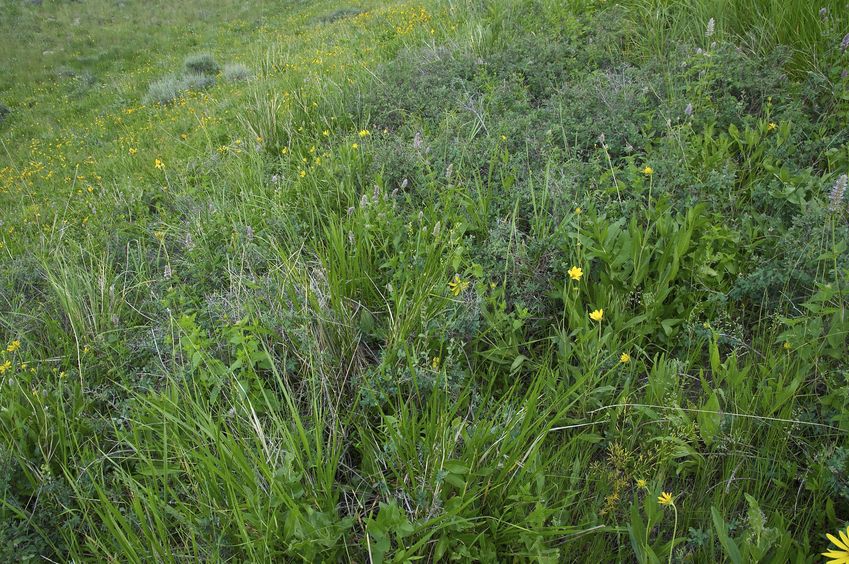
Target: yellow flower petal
844 536
837 542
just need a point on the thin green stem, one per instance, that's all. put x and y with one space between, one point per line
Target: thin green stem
674 532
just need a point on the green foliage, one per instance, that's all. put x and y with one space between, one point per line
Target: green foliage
470 281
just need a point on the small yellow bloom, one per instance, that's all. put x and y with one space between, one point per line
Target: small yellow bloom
787 345
284 150
457 285
133 151
13 346
597 314
158 164
625 358
841 554
355 146
435 363
575 273
504 138
364 133
184 136
665 498
648 171
641 483
326 132
578 211
772 126
302 173
5 366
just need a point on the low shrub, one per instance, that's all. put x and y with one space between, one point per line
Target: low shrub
202 63
236 72
165 90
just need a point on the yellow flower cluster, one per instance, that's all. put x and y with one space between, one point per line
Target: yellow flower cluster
457 285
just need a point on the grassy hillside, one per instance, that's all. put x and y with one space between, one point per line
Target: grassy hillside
515 280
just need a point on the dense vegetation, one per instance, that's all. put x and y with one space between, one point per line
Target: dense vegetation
508 280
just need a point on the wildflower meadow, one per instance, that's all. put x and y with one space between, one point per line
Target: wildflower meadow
443 280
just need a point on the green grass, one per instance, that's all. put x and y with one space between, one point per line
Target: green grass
300 282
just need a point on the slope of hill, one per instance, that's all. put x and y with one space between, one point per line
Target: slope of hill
519 280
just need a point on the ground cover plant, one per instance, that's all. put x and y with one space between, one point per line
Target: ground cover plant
517 280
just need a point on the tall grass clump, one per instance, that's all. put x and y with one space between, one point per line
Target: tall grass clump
811 30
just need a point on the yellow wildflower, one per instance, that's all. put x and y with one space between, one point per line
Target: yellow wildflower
648 171
772 126
625 358
133 151
578 211
597 314
457 285
839 555
665 498
302 173
641 483
435 363
158 164
575 273
355 146
13 346
364 133
326 133
5 366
